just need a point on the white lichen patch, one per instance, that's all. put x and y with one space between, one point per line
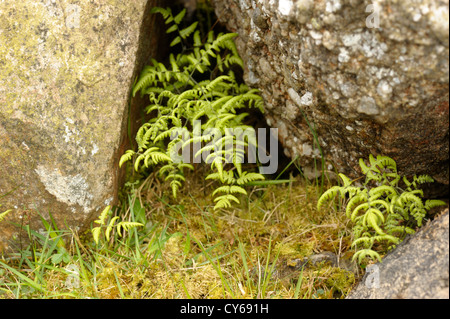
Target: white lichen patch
244 4
294 96
439 18
285 6
108 201
94 149
368 106
306 99
333 6
72 190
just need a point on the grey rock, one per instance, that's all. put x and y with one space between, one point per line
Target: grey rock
418 268
66 70
379 68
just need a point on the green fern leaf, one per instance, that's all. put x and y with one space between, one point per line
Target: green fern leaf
179 17
3 215
363 253
218 164
380 191
197 39
363 241
354 214
372 218
237 189
126 226
431 203
180 96
175 41
96 234
103 216
126 157
230 189
249 177
224 201
110 227
328 195
188 31
172 29
166 13
138 161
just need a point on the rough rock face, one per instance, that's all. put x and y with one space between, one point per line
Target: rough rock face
368 77
66 68
418 268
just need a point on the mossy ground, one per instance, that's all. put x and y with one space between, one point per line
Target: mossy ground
188 250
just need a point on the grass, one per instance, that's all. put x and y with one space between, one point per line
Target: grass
188 250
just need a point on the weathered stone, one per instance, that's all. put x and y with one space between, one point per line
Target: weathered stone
66 69
418 268
370 77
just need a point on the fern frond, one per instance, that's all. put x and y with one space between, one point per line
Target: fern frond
3 215
379 191
176 176
224 201
372 218
175 185
218 164
101 221
155 156
230 190
422 179
110 227
227 177
175 41
179 17
166 13
96 234
386 162
126 157
365 241
189 30
249 177
126 226
399 230
431 203
103 216
328 195
364 168
363 253
354 213
408 197
347 182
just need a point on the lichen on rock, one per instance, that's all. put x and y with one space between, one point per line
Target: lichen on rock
378 68
67 68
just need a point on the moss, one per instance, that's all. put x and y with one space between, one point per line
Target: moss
341 280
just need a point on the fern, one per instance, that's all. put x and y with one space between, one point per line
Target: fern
120 227
198 84
381 210
3 215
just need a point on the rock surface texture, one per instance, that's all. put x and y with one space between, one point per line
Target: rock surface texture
417 269
66 68
367 77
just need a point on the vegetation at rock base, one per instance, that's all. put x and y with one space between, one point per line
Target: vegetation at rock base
157 245
384 209
186 249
